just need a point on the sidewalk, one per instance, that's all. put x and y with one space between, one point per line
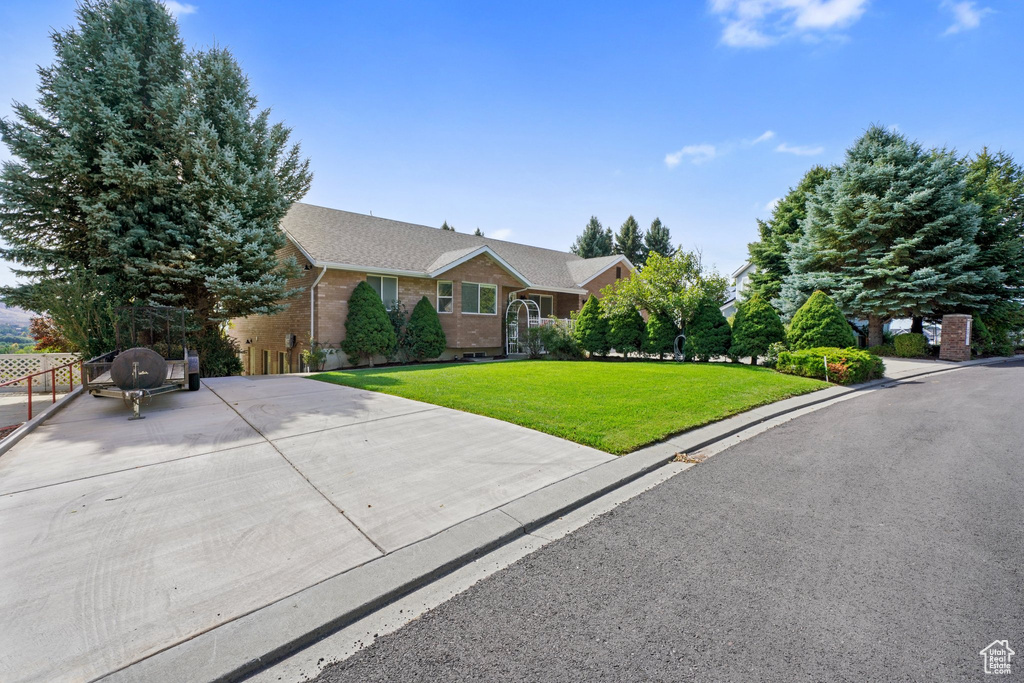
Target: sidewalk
240 523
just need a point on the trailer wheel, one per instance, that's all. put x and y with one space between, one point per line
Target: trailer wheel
193 381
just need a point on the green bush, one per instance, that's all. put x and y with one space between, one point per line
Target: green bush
819 322
591 330
534 342
883 351
399 317
559 342
708 334
425 335
626 331
757 326
989 340
368 330
218 354
660 335
845 366
771 356
911 345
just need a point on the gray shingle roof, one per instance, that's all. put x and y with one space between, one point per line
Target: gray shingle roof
343 238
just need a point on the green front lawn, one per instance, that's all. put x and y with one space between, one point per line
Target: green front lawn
613 406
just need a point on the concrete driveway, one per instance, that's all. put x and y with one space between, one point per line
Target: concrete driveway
119 539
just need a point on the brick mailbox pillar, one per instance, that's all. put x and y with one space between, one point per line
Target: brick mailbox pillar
956 337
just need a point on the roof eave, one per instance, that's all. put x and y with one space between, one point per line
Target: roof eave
621 259
479 252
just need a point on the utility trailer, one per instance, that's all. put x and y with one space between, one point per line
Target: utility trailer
150 357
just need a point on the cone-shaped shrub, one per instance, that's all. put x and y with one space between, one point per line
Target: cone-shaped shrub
708 334
368 330
757 326
626 331
819 322
592 328
425 335
660 335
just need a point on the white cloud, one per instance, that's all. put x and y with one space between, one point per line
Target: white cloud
760 23
764 137
698 154
178 9
801 151
502 234
770 206
965 16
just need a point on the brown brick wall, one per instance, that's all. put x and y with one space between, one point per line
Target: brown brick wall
604 279
267 332
956 340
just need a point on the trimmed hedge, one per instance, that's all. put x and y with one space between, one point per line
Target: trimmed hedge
910 345
845 366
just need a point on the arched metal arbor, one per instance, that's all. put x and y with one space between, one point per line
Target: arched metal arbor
515 341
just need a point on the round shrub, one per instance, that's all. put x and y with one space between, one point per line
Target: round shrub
558 341
757 326
911 345
708 334
368 330
819 322
425 336
660 335
626 331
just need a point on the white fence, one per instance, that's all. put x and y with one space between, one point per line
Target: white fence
15 365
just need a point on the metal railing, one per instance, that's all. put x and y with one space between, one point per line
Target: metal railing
52 372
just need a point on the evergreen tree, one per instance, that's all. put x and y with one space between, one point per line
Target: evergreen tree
757 327
777 234
660 335
595 240
819 322
708 334
445 226
626 331
889 234
368 330
478 232
629 241
657 241
426 336
146 175
591 329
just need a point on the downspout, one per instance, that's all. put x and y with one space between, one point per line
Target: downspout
312 299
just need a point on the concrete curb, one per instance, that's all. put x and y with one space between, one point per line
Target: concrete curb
241 647
21 432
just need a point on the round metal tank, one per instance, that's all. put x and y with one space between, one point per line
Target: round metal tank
151 369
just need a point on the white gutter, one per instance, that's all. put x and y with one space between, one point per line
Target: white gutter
312 298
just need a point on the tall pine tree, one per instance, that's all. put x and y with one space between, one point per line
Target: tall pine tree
629 241
777 234
595 240
147 174
889 234
657 240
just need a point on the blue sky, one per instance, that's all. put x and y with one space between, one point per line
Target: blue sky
524 119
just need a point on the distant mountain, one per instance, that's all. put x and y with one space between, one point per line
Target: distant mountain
12 315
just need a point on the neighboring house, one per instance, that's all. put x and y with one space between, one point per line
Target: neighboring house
469 279
733 295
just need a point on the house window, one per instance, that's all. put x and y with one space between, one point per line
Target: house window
386 288
618 272
444 296
478 298
545 302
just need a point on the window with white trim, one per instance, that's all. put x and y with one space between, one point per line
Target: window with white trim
479 298
445 298
546 304
386 288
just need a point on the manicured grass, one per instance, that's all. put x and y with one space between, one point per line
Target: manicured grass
613 406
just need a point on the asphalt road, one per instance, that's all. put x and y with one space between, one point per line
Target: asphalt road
878 539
